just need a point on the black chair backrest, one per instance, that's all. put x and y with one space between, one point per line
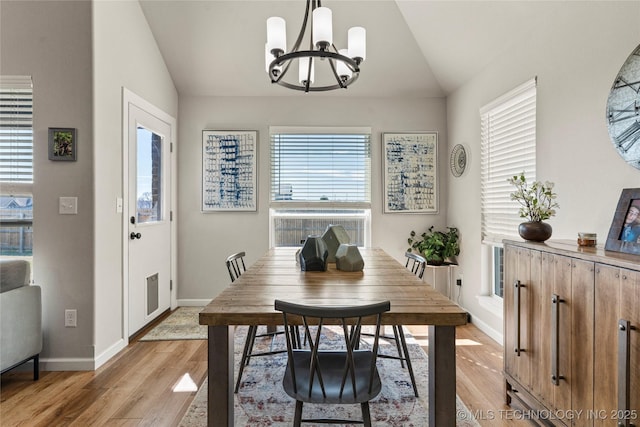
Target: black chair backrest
233 265
350 319
418 263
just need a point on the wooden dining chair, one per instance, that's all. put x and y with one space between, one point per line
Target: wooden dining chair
235 265
324 375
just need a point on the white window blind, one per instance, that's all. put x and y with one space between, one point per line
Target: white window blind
331 166
508 147
16 129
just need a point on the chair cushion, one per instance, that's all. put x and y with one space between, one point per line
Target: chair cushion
14 273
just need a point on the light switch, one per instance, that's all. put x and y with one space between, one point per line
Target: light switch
118 204
68 206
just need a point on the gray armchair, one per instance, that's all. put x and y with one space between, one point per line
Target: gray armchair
20 317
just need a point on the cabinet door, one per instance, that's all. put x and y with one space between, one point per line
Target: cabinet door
630 374
582 320
517 313
561 333
539 326
617 346
606 348
543 370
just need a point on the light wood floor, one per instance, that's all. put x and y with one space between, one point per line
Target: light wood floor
135 387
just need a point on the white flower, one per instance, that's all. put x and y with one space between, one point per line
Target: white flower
537 201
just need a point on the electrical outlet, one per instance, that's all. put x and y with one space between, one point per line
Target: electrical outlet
70 318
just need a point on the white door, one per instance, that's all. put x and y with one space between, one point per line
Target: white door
149 233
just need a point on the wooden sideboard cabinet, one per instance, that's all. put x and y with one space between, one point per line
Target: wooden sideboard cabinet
571 325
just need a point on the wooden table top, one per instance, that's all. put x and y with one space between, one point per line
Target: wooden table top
249 300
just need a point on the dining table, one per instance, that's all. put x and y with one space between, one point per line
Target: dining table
277 275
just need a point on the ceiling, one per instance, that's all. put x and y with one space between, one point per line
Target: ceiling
415 48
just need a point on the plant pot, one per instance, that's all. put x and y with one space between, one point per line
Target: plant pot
535 231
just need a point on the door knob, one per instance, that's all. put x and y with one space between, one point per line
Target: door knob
135 236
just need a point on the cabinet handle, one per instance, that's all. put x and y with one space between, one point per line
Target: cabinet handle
516 301
555 339
624 365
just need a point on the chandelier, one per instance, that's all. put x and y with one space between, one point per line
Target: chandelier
341 67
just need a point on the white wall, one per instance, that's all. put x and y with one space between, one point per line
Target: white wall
79 69
125 55
205 240
576 57
58 57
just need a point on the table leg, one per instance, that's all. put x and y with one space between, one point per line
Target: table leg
220 374
442 376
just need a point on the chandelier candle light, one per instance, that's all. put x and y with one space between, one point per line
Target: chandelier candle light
344 63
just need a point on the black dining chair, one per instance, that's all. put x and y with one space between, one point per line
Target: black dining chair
234 262
416 264
323 375
236 266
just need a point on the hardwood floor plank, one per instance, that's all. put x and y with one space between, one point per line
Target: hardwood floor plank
135 387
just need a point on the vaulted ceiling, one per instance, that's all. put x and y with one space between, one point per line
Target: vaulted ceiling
415 48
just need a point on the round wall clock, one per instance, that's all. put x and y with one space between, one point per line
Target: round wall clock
623 110
458 160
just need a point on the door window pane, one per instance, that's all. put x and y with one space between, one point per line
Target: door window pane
149 177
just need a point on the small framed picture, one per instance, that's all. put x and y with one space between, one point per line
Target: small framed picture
624 234
62 144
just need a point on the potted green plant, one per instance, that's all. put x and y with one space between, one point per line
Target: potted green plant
537 203
436 246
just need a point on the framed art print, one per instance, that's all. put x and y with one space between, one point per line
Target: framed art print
62 144
410 172
229 170
624 233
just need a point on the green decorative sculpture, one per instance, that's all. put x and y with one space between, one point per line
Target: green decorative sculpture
334 236
348 258
313 255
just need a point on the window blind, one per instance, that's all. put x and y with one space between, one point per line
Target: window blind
16 129
508 148
329 166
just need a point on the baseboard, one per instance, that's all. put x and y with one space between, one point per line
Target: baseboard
109 353
495 335
193 302
67 364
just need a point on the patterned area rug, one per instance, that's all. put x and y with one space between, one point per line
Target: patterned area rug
261 400
182 324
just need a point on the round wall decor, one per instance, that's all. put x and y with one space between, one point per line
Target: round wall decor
623 110
458 160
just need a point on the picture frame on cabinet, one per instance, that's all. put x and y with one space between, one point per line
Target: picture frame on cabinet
624 233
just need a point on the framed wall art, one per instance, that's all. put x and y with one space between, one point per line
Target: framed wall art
62 144
410 172
229 170
624 233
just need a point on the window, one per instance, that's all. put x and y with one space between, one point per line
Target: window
319 176
16 166
508 147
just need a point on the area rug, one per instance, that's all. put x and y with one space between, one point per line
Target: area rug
181 324
261 400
